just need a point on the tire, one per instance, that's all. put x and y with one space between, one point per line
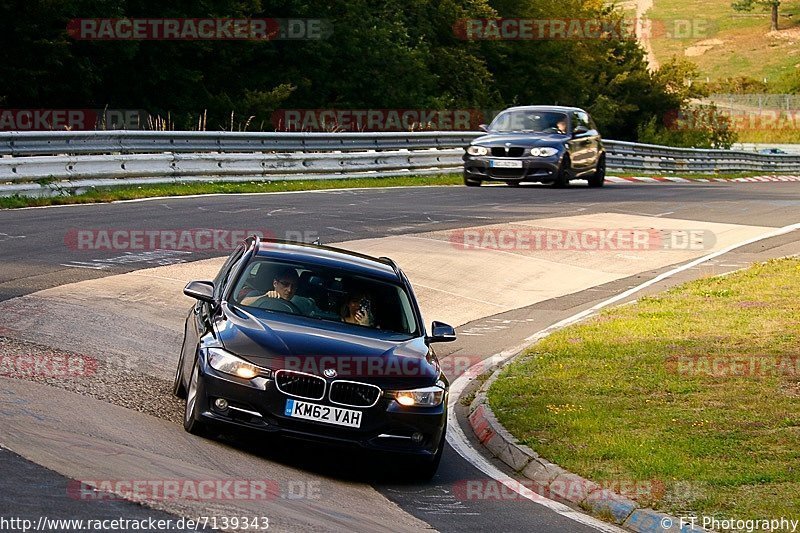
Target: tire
190 421
513 183
472 183
598 179
562 178
178 389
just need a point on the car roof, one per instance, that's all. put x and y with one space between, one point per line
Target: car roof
557 108
328 256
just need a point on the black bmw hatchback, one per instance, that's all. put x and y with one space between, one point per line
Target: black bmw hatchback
316 343
546 144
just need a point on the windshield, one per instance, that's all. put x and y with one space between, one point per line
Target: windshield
325 294
530 121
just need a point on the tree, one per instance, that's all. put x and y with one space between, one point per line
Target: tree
748 5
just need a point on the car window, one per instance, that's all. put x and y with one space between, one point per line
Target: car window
528 121
324 293
582 119
224 273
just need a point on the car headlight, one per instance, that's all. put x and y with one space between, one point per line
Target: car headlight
426 397
477 150
546 151
227 363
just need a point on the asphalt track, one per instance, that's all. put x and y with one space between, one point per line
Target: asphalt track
36 253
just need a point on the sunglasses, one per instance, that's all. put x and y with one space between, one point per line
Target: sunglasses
287 283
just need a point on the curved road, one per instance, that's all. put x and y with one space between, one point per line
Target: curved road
111 304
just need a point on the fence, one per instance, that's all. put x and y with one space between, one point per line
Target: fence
47 163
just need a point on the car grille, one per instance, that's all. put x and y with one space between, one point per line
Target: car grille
513 151
300 385
507 172
354 394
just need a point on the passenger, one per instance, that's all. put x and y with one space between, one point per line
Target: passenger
357 309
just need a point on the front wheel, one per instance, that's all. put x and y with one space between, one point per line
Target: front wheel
598 179
562 176
190 418
178 389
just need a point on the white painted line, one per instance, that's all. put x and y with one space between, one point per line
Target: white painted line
614 179
459 441
81 264
678 180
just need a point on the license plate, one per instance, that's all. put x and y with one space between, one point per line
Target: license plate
505 164
323 413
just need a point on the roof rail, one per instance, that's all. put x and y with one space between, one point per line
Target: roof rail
393 265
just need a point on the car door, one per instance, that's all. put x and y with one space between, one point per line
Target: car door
581 143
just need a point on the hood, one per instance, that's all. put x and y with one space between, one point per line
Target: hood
521 139
312 346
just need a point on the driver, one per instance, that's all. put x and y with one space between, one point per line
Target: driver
561 125
284 285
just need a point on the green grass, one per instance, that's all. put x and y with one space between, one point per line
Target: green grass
110 194
608 399
746 50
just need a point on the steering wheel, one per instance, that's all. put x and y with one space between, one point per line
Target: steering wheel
277 304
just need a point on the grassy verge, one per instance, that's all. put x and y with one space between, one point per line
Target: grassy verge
696 390
737 43
110 194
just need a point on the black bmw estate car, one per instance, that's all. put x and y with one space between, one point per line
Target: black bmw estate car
316 343
546 144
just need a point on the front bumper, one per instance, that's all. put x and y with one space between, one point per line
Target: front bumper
534 169
258 405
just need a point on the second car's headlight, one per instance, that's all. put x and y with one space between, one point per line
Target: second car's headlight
228 363
477 150
546 151
427 397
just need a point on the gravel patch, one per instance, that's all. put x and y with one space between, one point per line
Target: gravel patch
101 380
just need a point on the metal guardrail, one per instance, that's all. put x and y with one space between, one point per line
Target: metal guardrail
20 143
648 157
48 163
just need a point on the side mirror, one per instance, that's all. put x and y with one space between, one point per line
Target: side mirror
200 290
580 130
441 332
484 127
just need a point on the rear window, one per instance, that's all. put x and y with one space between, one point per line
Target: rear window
333 295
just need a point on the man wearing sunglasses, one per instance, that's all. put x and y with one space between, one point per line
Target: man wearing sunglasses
284 286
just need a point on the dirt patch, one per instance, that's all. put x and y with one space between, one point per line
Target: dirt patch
702 47
789 34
